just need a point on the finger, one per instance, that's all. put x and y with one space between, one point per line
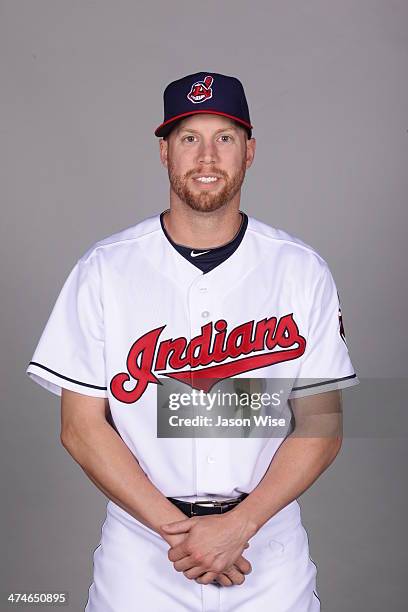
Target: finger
185 564
223 580
235 575
212 577
178 526
243 565
206 578
194 572
176 553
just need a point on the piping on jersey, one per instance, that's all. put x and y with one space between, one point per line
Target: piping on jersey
213 348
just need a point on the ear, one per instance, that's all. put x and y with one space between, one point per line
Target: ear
163 151
250 152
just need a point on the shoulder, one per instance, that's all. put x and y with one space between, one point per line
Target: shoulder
286 247
121 241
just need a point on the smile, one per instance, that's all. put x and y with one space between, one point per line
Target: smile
206 179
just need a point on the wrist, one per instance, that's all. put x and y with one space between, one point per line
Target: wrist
245 519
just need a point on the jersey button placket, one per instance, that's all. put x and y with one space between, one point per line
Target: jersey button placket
200 308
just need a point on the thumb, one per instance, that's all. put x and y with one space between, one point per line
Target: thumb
177 527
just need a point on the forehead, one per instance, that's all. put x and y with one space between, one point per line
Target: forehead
205 121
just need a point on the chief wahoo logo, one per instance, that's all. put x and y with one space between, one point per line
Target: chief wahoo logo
201 90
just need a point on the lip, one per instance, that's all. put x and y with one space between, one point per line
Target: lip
209 185
196 176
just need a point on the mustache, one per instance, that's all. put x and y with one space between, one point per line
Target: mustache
208 170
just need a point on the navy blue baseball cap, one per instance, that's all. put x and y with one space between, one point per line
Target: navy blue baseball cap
204 92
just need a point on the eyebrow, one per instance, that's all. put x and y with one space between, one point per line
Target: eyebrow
185 129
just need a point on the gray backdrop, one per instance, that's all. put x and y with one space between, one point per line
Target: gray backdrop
81 87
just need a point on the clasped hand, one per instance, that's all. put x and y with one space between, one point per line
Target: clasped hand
211 549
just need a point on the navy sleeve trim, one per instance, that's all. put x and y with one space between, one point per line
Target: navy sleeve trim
326 382
78 382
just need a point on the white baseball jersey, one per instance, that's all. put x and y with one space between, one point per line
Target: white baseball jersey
133 311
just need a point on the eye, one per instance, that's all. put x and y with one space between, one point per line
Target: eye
186 138
226 136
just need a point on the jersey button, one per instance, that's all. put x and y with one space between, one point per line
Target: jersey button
210 459
205 314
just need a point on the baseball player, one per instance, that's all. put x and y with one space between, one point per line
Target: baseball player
198 291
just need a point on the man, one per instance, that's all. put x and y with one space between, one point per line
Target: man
198 292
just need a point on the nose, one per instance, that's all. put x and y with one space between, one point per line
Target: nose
207 153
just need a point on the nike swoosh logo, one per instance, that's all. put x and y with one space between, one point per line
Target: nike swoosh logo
192 254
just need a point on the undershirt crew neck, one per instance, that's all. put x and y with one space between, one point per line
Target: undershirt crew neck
208 259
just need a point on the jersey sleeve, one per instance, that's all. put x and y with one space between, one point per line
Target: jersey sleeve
70 352
325 364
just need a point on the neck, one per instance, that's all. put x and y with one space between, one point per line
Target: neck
202 230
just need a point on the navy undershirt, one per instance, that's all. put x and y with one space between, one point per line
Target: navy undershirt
210 258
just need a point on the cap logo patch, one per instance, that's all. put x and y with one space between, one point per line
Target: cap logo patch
201 90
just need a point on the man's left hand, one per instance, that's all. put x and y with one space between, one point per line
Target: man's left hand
213 544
